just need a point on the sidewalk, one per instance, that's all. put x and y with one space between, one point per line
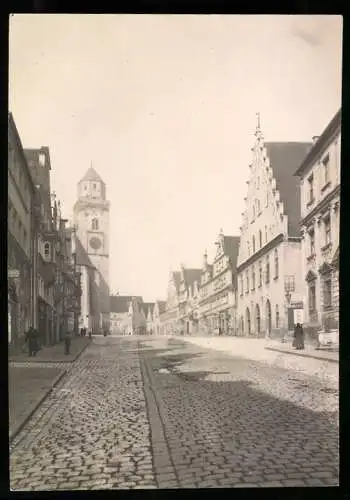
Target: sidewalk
28 387
55 353
259 349
309 351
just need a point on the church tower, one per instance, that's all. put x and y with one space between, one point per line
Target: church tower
91 218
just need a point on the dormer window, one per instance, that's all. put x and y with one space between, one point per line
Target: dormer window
94 224
47 251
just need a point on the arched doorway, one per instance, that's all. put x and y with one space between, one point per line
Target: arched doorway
257 320
247 320
268 317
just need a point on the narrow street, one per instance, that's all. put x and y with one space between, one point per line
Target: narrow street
161 413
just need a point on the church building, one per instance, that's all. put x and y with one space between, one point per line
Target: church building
269 260
91 219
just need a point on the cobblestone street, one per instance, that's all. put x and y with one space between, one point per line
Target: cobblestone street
148 413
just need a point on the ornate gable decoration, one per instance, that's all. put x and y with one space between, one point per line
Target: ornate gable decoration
311 276
325 268
220 245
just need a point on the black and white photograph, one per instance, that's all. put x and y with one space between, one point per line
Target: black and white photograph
173 251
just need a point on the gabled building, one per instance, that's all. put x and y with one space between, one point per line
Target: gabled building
158 310
120 319
46 248
22 307
269 259
187 322
147 310
217 294
170 316
320 209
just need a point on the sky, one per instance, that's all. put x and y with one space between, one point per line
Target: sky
164 107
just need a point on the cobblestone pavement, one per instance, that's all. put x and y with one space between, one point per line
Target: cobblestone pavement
92 432
147 413
231 422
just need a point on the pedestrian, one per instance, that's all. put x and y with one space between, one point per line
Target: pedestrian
67 343
220 331
32 337
298 341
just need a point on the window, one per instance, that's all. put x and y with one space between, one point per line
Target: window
253 244
327 293
312 241
248 247
260 239
267 280
241 284
310 189
24 237
260 273
253 278
85 187
312 296
47 251
276 263
258 206
258 183
247 282
267 198
265 234
42 159
277 317
94 187
253 212
327 231
325 163
94 224
289 283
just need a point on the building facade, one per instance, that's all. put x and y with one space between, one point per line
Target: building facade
320 209
217 294
269 260
20 241
188 288
91 218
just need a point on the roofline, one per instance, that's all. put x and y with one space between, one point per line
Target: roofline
13 124
331 129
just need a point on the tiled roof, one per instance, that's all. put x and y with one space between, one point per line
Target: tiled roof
82 257
333 127
192 275
145 306
119 303
231 248
161 305
91 175
284 159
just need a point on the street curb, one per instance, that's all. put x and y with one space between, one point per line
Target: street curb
38 360
36 405
160 451
330 360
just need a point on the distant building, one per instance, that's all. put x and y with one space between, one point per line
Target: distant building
170 316
217 293
120 319
158 310
269 259
320 209
91 219
20 241
188 291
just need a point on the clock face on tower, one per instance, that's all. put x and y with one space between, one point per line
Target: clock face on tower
95 243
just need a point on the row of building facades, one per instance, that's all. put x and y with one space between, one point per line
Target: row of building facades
285 258
43 278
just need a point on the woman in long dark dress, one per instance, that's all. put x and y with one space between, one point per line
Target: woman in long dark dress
298 337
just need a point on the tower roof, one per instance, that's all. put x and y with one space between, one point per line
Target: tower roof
91 175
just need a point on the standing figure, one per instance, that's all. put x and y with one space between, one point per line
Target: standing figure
67 342
298 342
32 337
